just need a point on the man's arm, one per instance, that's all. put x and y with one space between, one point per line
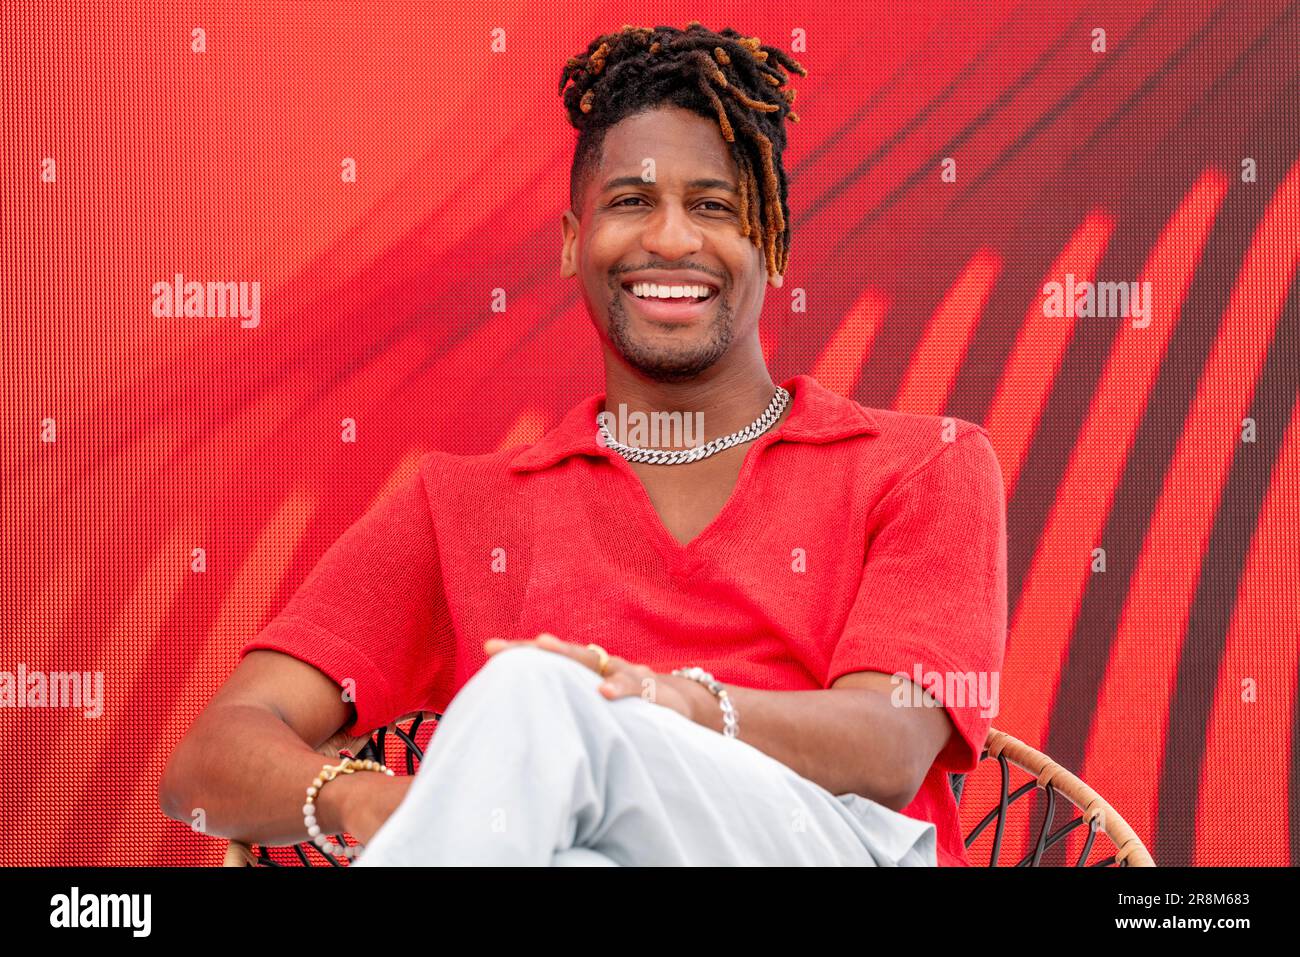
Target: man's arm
937 556
248 758
371 616
849 738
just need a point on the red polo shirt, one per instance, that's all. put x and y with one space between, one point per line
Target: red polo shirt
856 540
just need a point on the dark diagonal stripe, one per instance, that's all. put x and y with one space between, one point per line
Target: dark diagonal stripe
1162 425
1211 612
927 167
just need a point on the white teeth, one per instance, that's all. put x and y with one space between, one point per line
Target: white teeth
649 290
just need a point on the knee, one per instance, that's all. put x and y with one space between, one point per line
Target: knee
533 690
520 669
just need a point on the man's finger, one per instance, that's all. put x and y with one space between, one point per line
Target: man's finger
580 653
618 685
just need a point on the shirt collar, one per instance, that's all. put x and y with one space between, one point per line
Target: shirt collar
816 416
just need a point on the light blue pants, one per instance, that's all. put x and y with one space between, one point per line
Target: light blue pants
531 765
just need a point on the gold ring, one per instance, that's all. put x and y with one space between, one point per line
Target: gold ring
604 658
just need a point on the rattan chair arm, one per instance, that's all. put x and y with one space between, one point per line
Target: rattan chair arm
238 854
1129 849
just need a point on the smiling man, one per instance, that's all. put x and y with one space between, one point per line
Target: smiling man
695 655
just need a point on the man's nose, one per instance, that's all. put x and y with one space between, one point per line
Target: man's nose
670 234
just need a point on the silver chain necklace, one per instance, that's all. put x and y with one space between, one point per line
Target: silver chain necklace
680 456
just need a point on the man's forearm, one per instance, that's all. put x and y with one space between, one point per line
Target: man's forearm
848 740
255 792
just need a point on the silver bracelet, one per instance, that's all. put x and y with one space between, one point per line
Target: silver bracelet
730 723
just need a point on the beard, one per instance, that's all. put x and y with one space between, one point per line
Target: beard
670 362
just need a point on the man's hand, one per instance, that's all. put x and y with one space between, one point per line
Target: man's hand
623 679
364 801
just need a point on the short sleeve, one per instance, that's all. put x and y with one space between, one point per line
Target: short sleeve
372 612
932 603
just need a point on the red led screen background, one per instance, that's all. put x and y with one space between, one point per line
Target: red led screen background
951 160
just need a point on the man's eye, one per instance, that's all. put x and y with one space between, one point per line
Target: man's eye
721 207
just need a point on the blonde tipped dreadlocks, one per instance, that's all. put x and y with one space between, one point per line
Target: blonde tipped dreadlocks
724 76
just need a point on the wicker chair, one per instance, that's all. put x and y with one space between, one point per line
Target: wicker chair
1009 752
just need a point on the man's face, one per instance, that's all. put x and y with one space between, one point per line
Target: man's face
664 201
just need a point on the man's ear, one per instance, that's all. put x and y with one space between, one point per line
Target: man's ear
569 244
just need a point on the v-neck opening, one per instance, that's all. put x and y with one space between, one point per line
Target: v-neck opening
672 549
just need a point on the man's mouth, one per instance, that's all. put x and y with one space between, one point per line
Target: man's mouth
663 303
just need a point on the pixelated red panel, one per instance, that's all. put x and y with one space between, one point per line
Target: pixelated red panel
1168 682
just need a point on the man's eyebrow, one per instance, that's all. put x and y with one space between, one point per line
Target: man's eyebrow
721 184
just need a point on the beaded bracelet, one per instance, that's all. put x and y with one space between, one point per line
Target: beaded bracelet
730 723
329 773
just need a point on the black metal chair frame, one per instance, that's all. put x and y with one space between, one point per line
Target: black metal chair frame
307 853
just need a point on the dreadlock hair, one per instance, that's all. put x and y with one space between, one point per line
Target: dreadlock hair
726 76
